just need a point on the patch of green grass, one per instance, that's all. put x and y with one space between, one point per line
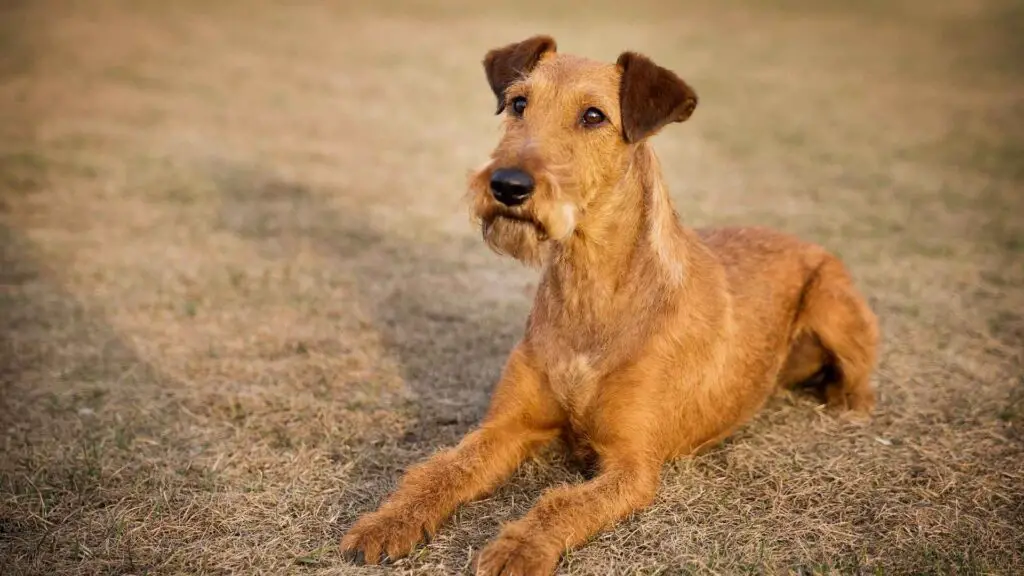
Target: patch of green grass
1014 243
23 171
182 194
124 437
930 247
133 77
1007 325
28 171
280 438
237 278
954 562
89 398
1013 413
315 557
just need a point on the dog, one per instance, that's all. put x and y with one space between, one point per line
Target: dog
647 340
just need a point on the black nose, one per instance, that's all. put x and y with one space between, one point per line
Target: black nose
511 186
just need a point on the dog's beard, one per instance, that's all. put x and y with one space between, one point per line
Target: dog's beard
520 238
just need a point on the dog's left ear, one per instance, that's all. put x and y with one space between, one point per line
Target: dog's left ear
651 97
507 64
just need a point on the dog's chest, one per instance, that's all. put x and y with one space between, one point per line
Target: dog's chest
573 379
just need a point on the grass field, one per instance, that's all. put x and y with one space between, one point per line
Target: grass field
239 293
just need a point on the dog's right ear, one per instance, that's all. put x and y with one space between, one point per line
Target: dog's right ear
509 63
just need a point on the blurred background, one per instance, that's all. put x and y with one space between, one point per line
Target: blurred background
239 292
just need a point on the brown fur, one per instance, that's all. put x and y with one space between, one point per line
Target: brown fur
647 340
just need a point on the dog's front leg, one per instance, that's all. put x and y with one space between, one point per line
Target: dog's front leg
566 517
521 419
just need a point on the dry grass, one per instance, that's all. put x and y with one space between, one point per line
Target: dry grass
238 293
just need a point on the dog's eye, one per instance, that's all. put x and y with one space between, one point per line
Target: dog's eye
518 105
593 117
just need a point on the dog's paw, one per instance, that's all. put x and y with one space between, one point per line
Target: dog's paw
383 536
854 406
512 556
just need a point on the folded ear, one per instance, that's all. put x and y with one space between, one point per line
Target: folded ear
651 97
507 64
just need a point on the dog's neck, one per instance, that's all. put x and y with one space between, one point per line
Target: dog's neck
630 236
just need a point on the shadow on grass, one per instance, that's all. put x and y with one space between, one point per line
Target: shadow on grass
74 399
449 344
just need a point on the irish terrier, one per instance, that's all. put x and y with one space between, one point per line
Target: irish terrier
647 340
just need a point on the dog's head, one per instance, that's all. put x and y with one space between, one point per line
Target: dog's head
570 127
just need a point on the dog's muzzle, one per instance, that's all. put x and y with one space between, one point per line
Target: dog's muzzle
511 186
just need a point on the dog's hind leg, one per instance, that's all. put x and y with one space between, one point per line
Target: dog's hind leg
837 340
808 363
